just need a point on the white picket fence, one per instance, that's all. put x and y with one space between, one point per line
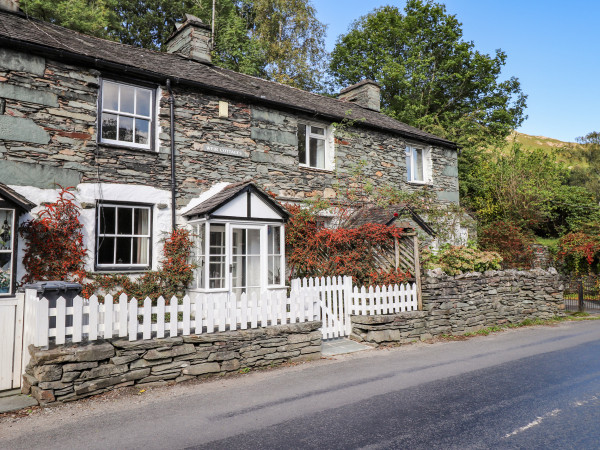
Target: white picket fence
339 300
198 314
331 300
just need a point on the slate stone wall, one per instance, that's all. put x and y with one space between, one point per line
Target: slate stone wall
69 372
49 119
466 303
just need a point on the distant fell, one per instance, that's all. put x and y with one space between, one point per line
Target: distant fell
529 142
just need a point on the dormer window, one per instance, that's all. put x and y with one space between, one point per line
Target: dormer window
314 147
126 116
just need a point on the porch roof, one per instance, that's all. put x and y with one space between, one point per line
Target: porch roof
12 196
211 205
386 216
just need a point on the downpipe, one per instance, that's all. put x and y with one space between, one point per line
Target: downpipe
172 138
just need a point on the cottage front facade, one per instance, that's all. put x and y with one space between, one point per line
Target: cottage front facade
154 140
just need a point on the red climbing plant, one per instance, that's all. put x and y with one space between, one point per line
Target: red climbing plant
314 251
54 247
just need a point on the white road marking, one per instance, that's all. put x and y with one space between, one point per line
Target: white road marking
534 423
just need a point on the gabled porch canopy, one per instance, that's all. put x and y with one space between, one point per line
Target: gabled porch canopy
239 201
387 216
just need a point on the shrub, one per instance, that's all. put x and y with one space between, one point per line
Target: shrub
457 259
579 253
510 241
54 247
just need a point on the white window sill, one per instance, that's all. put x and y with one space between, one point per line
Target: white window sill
421 183
315 169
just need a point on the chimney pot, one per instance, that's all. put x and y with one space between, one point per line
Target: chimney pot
191 39
9 5
365 93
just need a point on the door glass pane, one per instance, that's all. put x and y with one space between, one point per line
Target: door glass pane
253 271
302 143
253 242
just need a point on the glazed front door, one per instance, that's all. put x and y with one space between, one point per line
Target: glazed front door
245 269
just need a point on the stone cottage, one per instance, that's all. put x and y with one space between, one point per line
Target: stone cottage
151 140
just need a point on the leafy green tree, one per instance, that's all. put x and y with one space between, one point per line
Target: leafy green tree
430 76
587 174
86 16
293 40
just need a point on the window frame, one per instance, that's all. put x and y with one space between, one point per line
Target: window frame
13 250
426 164
124 267
152 117
326 137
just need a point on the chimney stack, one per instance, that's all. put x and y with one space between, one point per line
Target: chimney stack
365 93
10 5
191 39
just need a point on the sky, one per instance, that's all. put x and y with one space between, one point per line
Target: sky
552 47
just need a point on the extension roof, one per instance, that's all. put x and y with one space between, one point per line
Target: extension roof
12 196
20 32
385 216
228 193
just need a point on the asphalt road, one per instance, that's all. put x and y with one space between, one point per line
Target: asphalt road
528 388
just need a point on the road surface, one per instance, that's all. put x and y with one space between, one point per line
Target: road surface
529 388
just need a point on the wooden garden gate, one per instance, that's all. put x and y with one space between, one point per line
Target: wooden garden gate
11 342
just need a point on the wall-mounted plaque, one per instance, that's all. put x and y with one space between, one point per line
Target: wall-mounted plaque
209 148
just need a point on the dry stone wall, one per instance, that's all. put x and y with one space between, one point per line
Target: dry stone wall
466 303
69 372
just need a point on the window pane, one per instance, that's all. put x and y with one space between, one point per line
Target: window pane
142 102
274 270
124 250
140 221
317 153
5 272
6 229
302 143
140 250
127 99
408 163
142 128
317 130
199 273
124 221
106 250
418 157
217 239
274 240
107 220
109 126
110 96
125 129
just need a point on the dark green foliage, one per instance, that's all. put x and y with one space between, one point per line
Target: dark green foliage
430 76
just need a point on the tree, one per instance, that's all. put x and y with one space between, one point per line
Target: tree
149 24
293 40
86 16
430 76
587 174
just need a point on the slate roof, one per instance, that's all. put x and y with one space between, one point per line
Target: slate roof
230 191
385 216
20 32
12 196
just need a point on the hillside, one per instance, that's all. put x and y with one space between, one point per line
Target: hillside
529 142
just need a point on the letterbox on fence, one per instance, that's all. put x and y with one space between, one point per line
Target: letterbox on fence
52 291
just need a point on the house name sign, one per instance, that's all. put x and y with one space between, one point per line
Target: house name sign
225 151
